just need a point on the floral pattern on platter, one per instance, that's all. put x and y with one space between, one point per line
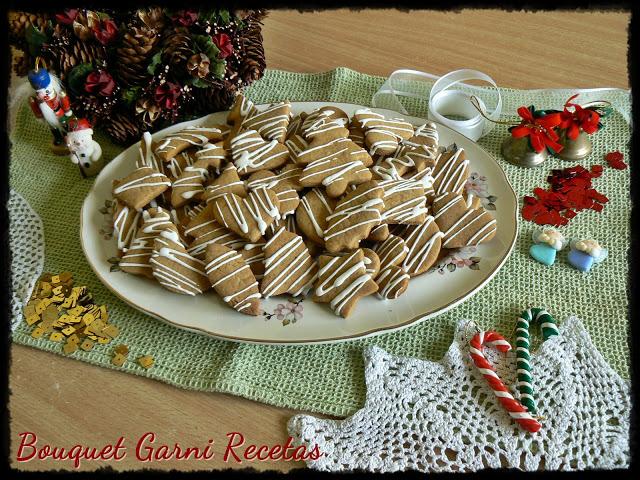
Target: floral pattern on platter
460 258
106 230
477 186
288 312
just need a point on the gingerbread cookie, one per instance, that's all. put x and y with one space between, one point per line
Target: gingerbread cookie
193 136
392 168
189 186
253 255
227 182
125 224
232 279
379 233
214 154
146 156
286 184
354 216
288 266
451 171
335 164
404 202
425 137
382 136
176 165
241 109
325 124
212 232
250 153
270 123
312 213
342 281
424 242
140 187
371 262
392 282
460 224
392 251
136 257
248 217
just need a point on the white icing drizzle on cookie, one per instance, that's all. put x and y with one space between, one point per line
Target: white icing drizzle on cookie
330 279
389 281
392 251
170 277
250 152
141 182
413 208
304 201
419 253
240 299
487 223
146 156
125 226
451 176
272 122
291 267
197 136
256 204
176 164
348 209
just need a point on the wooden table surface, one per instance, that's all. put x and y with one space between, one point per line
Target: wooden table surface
67 402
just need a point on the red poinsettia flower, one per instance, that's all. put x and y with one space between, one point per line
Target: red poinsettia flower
67 16
540 130
578 118
106 31
185 18
223 42
166 95
100 83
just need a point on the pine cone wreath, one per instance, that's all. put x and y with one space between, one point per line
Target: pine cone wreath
198 65
121 129
133 55
152 18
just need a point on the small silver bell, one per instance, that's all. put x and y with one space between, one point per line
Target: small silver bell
576 149
518 152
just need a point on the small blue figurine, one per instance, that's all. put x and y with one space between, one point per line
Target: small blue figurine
585 253
546 243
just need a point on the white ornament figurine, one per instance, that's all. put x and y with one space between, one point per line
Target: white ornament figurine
85 151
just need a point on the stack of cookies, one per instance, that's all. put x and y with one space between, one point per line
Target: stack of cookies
317 203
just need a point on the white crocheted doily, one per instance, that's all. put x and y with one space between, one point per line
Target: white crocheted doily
442 416
26 241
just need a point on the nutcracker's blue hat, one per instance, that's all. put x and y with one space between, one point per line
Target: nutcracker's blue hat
39 78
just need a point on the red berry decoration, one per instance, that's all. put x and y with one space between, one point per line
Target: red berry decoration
571 191
614 159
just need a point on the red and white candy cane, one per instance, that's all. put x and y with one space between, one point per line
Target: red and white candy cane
513 406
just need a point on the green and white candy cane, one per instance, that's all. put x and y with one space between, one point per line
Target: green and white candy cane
523 357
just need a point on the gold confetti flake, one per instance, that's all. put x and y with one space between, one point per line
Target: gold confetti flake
122 349
118 360
110 331
103 340
37 332
31 319
74 338
87 344
69 347
146 361
56 337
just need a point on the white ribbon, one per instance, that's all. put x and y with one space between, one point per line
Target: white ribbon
444 102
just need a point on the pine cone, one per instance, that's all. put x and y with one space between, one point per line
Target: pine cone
147 111
18 23
132 56
121 129
253 62
152 17
215 98
65 51
177 47
198 65
84 23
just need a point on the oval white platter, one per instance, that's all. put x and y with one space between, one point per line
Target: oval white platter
453 281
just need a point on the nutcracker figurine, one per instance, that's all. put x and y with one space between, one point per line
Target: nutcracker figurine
50 103
84 150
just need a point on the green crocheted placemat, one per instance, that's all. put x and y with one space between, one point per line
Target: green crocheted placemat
329 378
